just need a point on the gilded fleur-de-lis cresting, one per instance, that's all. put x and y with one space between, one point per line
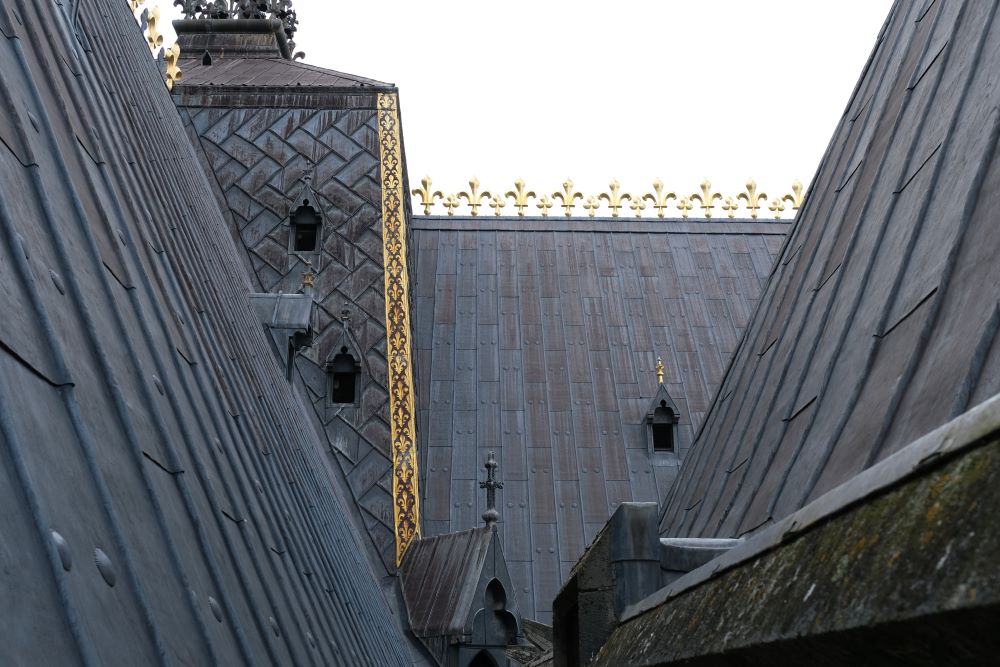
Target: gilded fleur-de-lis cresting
659 197
684 206
797 197
613 198
752 198
776 207
568 196
520 196
170 57
637 205
497 202
149 23
706 197
743 205
451 202
153 37
427 196
474 196
730 207
545 204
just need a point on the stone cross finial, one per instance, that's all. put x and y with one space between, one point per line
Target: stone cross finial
491 516
345 317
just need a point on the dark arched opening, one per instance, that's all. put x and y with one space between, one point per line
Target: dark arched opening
305 223
663 428
344 374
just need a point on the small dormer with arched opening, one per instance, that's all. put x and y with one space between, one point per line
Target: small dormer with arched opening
661 421
344 368
305 224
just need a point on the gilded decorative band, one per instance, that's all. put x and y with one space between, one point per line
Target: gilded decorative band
405 495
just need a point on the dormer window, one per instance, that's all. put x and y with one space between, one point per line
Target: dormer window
344 373
661 425
305 231
663 428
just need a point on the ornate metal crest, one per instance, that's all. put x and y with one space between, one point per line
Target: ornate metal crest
243 9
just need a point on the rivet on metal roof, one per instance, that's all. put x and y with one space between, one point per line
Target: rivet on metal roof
62 548
216 609
105 567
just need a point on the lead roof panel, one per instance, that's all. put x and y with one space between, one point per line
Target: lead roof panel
580 314
180 511
880 314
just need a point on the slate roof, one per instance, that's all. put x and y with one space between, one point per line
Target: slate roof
258 145
880 322
163 498
251 53
439 577
259 72
538 339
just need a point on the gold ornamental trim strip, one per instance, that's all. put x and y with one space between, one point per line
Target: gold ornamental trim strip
405 495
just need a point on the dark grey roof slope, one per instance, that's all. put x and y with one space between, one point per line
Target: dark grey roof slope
250 53
439 577
880 321
539 339
163 502
268 72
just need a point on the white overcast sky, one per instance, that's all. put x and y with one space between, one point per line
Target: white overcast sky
723 89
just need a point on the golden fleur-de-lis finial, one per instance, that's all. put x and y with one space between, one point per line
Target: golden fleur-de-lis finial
568 196
798 197
427 197
520 196
153 37
752 198
591 205
730 206
659 369
637 205
660 198
706 197
545 204
174 73
776 207
474 196
309 276
613 198
451 202
684 205
134 4
497 202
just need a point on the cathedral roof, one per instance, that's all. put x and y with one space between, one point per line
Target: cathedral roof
539 339
250 53
880 321
164 500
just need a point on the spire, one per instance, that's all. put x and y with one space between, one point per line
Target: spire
491 516
659 370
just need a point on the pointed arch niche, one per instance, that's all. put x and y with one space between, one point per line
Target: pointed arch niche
345 369
662 417
305 225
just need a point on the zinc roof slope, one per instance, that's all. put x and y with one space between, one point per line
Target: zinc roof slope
268 72
538 339
879 323
162 499
438 579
